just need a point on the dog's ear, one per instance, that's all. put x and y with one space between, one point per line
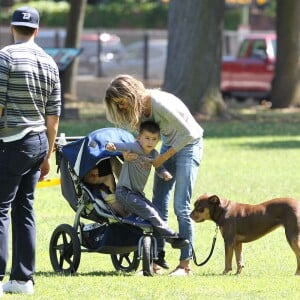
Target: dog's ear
214 200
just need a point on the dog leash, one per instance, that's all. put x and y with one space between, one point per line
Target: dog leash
211 251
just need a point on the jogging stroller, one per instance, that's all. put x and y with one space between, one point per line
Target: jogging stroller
127 239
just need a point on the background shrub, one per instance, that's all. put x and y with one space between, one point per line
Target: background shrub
114 15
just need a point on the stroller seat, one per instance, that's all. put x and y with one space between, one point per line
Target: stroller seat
94 207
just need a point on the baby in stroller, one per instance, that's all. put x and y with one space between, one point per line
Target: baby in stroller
100 181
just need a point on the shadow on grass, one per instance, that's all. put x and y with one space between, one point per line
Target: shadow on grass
254 121
246 122
233 129
289 144
77 274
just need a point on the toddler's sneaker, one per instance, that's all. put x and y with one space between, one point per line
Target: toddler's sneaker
18 287
177 242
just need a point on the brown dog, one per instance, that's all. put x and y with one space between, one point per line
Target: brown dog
241 223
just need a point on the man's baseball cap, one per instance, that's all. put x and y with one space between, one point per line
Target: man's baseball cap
25 16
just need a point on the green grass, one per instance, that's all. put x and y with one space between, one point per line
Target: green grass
247 161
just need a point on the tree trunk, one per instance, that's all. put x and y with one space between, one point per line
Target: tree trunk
74 30
287 69
194 54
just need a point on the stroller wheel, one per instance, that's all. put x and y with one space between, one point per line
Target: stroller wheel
127 262
147 256
65 249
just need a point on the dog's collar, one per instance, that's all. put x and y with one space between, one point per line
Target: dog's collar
216 215
219 210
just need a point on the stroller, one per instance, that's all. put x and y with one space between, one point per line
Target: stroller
128 240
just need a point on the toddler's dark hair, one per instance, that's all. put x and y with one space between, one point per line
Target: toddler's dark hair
150 126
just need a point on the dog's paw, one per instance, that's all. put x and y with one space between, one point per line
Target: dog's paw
239 270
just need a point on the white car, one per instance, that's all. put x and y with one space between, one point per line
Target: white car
109 45
132 60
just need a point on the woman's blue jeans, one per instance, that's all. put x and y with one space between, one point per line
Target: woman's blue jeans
184 168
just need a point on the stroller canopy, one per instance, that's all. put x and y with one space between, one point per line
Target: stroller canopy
85 153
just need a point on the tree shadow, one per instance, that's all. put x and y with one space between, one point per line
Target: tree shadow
77 274
253 121
235 129
273 145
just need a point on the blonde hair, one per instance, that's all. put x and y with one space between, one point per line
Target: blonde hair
131 89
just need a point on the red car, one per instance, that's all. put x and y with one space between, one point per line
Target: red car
250 73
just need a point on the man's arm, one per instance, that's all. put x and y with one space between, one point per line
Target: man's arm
52 128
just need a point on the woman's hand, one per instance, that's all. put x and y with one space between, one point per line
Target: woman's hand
167 176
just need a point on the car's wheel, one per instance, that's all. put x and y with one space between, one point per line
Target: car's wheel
147 256
127 262
65 249
240 99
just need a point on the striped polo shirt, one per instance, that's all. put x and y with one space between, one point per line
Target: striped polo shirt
29 89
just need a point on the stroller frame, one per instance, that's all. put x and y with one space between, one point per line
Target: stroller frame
68 242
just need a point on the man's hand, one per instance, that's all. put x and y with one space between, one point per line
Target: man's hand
45 168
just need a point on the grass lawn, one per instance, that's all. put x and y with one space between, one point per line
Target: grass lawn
248 160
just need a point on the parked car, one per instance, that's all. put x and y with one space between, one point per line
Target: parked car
250 73
104 47
132 59
110 48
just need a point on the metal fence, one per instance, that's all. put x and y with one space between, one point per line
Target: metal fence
99 58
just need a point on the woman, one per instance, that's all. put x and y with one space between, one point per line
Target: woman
128 103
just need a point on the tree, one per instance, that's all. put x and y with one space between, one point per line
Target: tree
194 54
74 30
287 69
